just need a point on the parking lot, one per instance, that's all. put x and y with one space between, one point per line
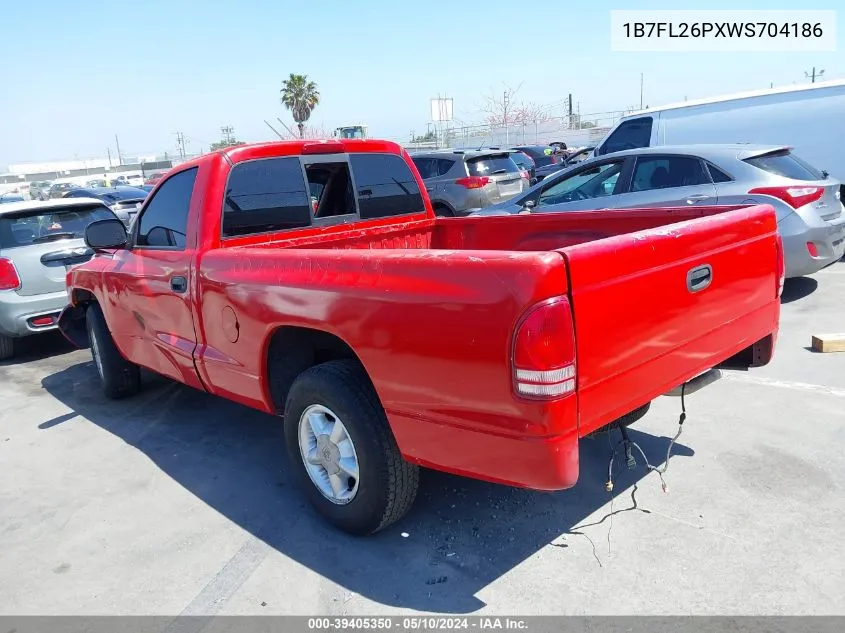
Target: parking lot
175 502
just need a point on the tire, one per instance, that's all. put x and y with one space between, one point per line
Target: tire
119 377
7 347
386 485
441 210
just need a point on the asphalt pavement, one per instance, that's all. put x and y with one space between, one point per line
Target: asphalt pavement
176 502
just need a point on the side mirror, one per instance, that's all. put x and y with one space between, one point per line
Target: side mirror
528 206
106 234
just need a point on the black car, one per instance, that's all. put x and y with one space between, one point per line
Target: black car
542 155
125 202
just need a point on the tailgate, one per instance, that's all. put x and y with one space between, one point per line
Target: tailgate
655 308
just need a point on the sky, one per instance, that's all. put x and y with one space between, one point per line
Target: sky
79 72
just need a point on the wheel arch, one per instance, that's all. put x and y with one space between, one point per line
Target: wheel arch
292 349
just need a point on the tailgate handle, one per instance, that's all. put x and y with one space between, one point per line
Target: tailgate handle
699 278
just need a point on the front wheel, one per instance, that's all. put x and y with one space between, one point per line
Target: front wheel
340 444
119 377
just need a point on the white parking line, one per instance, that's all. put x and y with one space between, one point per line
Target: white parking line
783 384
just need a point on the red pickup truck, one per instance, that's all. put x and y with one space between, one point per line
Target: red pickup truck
313 280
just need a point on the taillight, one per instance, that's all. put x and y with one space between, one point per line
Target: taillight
781 265
544 351
525 175
473 182
795 197
9 279
811 248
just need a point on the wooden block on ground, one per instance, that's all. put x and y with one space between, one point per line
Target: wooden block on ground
829 342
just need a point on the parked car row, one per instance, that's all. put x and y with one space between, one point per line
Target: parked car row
46 189
456 186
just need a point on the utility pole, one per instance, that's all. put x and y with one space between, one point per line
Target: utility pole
108 151
119 157
812 76
641 91
227 132
180 144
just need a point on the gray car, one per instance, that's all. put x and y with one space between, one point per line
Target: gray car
39 242
39 189
461 181
811 217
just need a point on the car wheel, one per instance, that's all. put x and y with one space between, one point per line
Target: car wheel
7 347
340 445
443 211
119 377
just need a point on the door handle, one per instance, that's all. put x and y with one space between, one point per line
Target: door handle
697 198
178 284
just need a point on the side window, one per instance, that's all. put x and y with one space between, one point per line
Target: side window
385 185
631 134
444 165
426 166
264 196
593 182
663 172
164 221
717 174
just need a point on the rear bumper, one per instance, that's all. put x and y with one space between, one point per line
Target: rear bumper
549 463
828 238
17 311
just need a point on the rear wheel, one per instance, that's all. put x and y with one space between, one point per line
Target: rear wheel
7 347
340 444
443 211
119 377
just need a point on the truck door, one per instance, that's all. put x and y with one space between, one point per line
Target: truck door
150 314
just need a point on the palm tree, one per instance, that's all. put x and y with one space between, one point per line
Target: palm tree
300 96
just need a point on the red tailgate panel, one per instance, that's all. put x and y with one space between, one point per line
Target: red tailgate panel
642 331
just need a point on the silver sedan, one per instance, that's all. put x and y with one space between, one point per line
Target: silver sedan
811 217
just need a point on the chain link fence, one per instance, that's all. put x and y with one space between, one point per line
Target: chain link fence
576 130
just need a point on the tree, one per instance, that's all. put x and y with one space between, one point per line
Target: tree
300 96
502 110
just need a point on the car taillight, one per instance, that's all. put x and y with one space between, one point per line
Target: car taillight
473 182
812 249
781 266
795 197
544 351
9 278
525 174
